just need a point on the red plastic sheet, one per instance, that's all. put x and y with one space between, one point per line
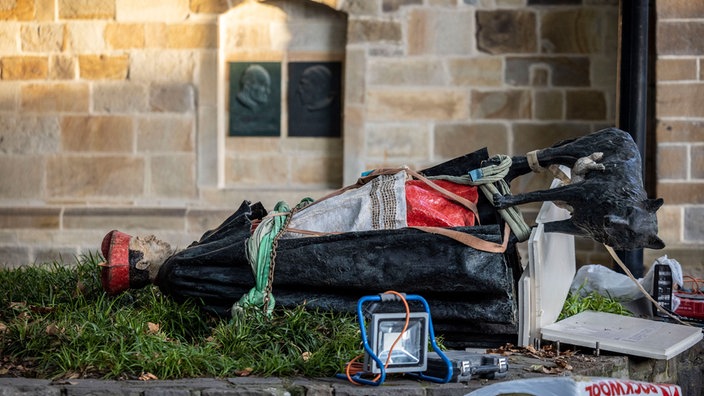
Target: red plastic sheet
428 207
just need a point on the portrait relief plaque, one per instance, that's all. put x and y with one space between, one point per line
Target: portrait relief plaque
314 92
254 99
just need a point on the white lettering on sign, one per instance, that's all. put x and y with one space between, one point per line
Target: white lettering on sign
615 387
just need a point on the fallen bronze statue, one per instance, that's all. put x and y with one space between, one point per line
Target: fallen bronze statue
448 233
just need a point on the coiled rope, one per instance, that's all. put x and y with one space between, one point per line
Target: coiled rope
490 180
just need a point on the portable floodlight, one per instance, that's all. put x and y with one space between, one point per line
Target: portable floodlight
410 352
397 342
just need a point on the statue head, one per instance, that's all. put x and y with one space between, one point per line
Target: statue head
255 87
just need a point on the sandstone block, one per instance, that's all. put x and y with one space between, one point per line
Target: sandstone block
310 146
402 105
507 3
151 10
373 31
678 100
527 136
681 193
14 256
192 35
693 220
672 162
697 158
176 98
440 32
262 171
201 220
564 71
353 149
401 141
670 223
513 104
173 176
319 170
407 71
103 67
24 67
120 97
47 37
97 134
87 9
394 5
45 10
249 36
604 73
130 218
680 131
207 146
59 97
162 66
124 35
9 35
17 10
571 31
362 7
506 31
680 9
208 6
553 2
676 69
585 105
27 174
155 35
454 140
326 35
680 37
80 177
62 67
476 72
54 254
9 94
207 80
355 76
25 217
165 134
29 134
258 145
85 37
549 105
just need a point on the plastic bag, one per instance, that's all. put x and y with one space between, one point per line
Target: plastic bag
427 207
609 283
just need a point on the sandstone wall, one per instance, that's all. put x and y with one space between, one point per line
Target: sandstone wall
110 112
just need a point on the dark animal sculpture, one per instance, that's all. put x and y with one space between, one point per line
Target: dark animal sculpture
606 195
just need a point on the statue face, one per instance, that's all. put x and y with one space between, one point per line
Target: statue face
314 88
256 84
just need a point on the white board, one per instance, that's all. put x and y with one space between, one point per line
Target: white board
624 334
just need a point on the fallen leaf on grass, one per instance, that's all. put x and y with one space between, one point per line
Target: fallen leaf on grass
53 329
244 373
153 328
3 327
147 377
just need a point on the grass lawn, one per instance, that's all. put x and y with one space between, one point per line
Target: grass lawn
56 322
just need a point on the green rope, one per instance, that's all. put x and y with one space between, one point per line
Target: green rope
490 180
261 251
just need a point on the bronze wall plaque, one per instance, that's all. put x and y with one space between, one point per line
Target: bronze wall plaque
255 99
314 92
